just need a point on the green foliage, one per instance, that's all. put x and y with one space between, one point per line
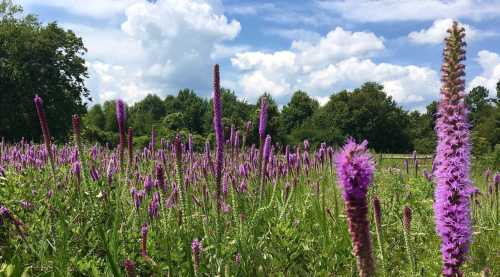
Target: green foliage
365 113
302 232
300 108
38 59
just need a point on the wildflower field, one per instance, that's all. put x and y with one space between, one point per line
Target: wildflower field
245 210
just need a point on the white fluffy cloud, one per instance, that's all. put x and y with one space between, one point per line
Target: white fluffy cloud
436 33
490 64
337 61
140 46
416 10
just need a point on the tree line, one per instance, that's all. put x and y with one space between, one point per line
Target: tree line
363 113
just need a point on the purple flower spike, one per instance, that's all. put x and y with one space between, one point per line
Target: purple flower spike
196 249
45 130
407 216
219 132
148 183
355 168
144 240
120 119
452 163
129 268
263 117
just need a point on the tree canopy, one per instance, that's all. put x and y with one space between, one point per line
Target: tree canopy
38 59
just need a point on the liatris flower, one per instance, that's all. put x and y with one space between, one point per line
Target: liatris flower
7 215
76 170
94 174
237 258
154 206
406 231
144 239
243 186
160 178
219 133
306 145
452 164
137 196
405 165
263 117
196 249
26 205
148 183
427 175
45 132
267 151
120 119
129 268
355 168
407 218
76 131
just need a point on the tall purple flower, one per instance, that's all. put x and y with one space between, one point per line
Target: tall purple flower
144 240
45 131
263 117
196 249
452 164
355 168
129 268
266 153
120 119
219 133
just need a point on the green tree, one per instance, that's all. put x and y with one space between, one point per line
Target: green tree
109 109
145 113
38 59
235 112
95 117
193 110
366 113
300 108
477 100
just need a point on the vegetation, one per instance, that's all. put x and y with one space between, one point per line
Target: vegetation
186 186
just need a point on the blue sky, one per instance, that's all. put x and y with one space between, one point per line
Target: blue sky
137 47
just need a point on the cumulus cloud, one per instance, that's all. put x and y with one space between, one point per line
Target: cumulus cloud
415 10
436 33
490 64
340 60
157 47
